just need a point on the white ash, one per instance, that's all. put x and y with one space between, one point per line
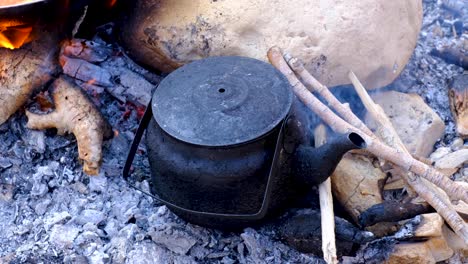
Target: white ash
52 213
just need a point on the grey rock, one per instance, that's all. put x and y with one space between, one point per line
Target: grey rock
80 187
98 257
36 139
39 189
147 252
129 232
62 236
254 246
5 163
41 207
75 259
90 216
119 246
112 227
56 218
86 238
177 241
6 192
98 183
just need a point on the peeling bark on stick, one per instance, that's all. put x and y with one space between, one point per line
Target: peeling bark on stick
456 191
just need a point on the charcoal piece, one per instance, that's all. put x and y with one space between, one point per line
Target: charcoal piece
452 55
392 211
303 232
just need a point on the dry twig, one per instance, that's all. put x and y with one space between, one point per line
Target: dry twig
378 148
326 207
425 189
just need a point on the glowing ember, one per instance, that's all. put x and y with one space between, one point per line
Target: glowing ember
13 34
111 3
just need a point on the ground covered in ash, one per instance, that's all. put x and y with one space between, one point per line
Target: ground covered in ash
50 212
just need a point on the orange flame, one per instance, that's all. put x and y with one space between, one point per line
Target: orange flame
14 34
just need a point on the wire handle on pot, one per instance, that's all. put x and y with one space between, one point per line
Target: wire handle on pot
136 140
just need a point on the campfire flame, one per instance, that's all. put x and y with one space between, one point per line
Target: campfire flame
14 34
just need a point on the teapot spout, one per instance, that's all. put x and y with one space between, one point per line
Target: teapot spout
312 166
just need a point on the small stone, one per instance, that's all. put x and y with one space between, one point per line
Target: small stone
63 236
6 192
457 144
98 183
129 231
148 253
112 227
227 260
118 249
39 189
430 226
75 259
86 238
439 153
41 206
5 163
56 218
36 139
98 257
90 227
250 237
90 216
176 241
80 187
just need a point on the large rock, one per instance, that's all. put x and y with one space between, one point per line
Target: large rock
355 184
432 248
418 126
373 38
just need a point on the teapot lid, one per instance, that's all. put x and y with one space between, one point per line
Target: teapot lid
222 101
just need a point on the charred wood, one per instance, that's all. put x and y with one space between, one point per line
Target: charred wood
392 211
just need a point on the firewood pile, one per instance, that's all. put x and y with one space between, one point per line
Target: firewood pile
71 107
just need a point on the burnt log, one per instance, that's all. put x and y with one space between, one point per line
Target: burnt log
392 211
303 232
452 55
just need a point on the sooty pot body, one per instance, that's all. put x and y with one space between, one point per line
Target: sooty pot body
229 145
226 187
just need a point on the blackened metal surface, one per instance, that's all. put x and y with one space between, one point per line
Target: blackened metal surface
222 101
215 180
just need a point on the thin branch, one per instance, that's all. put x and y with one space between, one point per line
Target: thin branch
326 207
375 146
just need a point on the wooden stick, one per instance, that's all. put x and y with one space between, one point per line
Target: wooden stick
375 146
315 86
455 190
326 207
425 189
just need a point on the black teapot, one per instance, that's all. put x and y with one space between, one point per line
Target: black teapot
229 144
